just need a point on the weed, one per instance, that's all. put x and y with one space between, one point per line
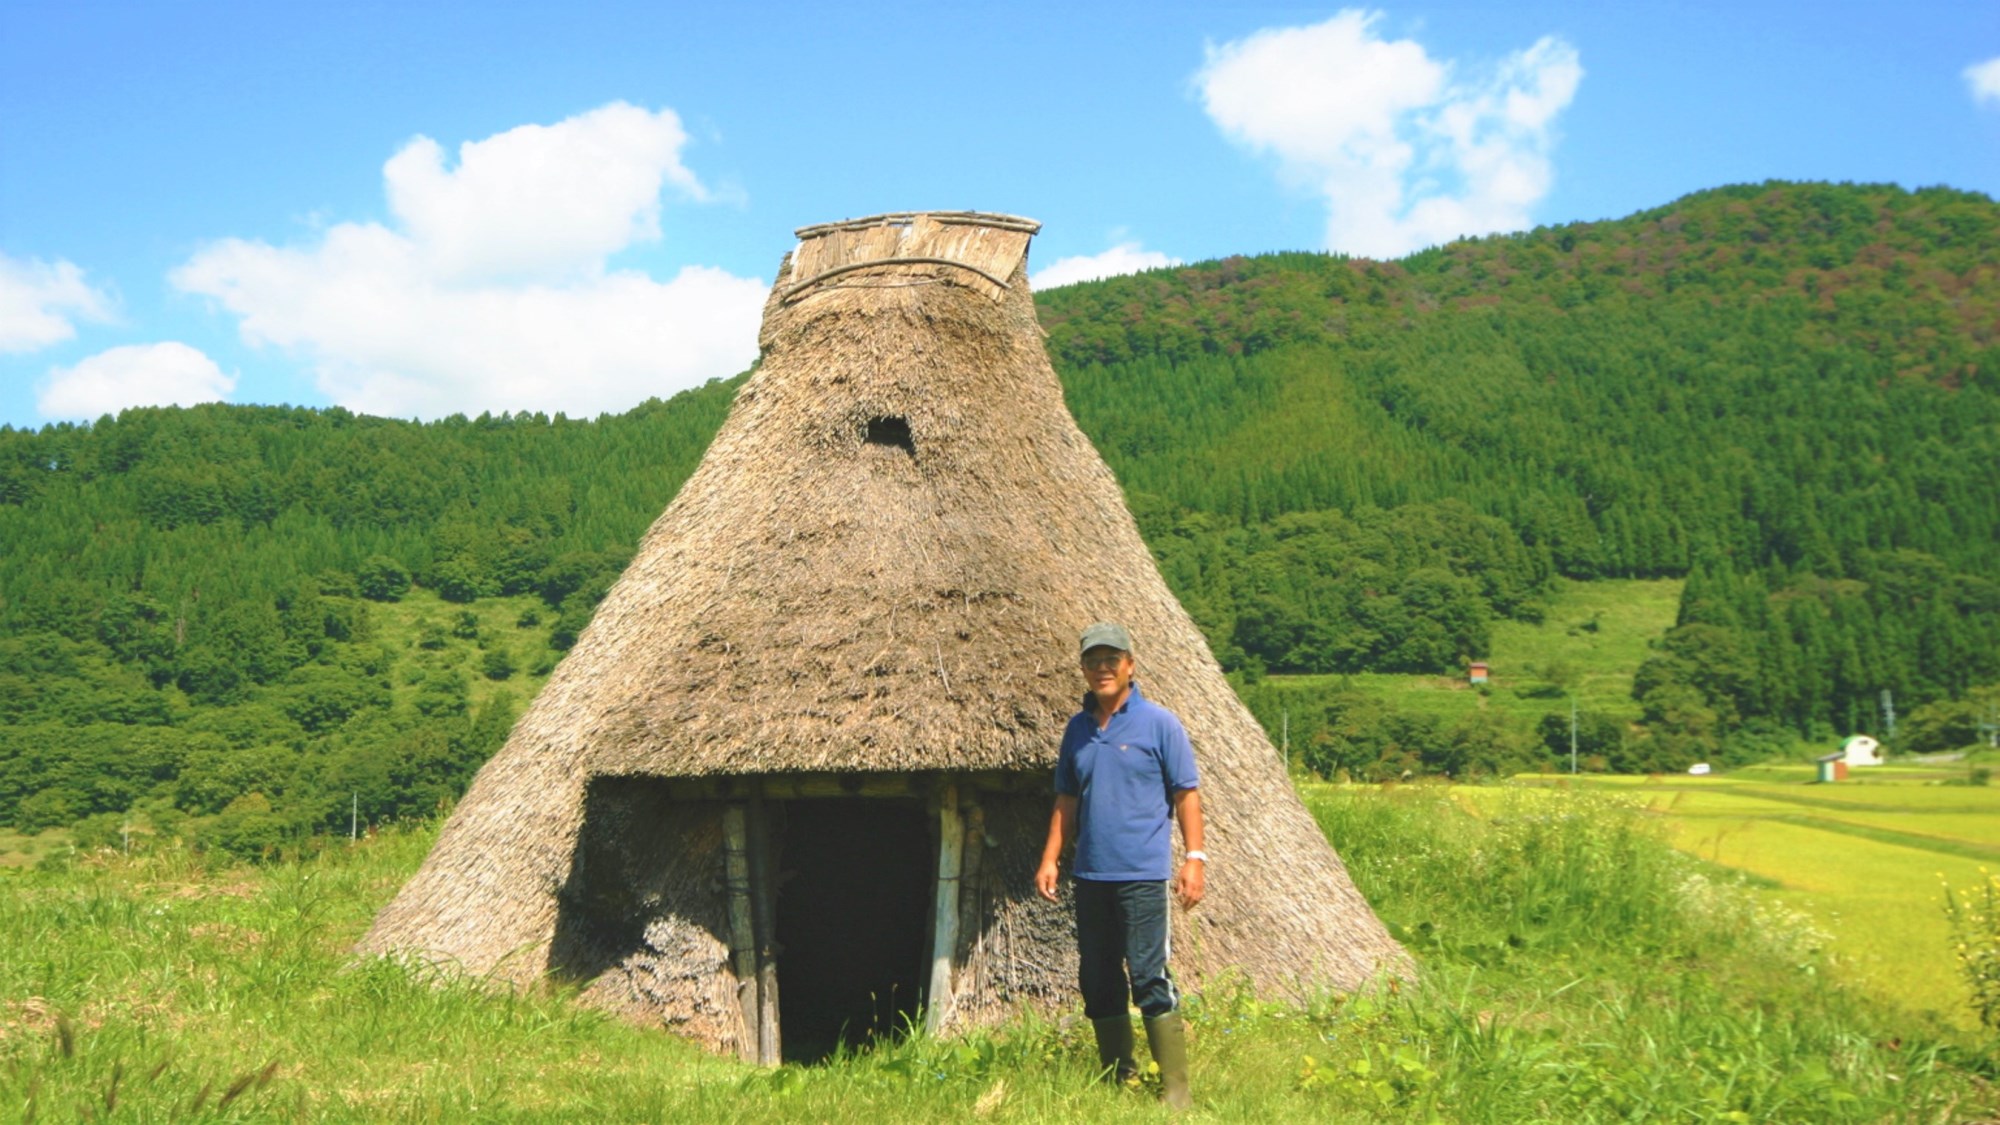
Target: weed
1975 929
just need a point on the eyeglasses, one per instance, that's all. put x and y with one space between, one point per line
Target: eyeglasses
1105 659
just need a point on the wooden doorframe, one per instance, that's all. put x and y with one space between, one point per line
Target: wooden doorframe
750 878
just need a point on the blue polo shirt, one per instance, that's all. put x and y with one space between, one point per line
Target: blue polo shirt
1124 778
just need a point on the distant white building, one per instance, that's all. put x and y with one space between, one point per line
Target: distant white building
1861 750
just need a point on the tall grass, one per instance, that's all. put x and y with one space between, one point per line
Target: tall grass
1530 869
1862 857
1974 916
1578 969
1573 970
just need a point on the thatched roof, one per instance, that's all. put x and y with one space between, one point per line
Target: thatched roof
881 566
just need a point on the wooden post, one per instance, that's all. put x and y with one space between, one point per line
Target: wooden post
764 910
944 934
742 927
970 892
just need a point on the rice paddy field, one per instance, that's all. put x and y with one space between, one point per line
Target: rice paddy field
1866 859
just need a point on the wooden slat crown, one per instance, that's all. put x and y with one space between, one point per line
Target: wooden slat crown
926 243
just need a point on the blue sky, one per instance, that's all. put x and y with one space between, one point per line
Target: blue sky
414 209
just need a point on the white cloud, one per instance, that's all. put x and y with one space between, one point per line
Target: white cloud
1984 79
541 200
40 300
164 374
1406 151
1126 257
492 292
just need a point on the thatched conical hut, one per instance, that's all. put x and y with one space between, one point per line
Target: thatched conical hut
796 772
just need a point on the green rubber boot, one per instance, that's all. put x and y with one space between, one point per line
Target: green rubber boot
1167 1035
1114 1048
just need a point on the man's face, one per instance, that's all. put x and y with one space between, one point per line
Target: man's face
1107 671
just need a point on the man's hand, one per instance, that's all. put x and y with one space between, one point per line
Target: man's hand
1192 880
1062 830
1045 880
1190 884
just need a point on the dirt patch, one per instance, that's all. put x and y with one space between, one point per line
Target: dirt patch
230 939
26 1019
239 889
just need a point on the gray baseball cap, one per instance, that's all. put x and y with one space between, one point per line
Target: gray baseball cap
1105 634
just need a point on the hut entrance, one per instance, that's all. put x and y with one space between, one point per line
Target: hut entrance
853 921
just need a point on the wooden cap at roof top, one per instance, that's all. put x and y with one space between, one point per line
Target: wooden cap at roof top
973 248
966 218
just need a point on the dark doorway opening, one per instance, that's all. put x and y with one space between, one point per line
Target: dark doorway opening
853 922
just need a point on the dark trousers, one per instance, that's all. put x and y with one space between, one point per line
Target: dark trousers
1122 926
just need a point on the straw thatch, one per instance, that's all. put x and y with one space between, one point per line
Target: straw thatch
876 575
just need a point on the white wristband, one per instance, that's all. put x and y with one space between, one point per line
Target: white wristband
1202 856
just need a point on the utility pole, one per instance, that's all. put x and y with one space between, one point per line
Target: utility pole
353 817
1888 716
1572 734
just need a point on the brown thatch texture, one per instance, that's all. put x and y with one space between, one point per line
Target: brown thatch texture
640 919
817 601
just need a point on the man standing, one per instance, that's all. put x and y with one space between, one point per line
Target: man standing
1124 772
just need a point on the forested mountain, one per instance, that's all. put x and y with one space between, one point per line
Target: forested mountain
203 612
1789 393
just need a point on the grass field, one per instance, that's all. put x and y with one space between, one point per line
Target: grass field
403 627
1573 969
18 850
1595 635
1866 859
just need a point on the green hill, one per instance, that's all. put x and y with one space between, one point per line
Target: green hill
1787 395
1380 726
